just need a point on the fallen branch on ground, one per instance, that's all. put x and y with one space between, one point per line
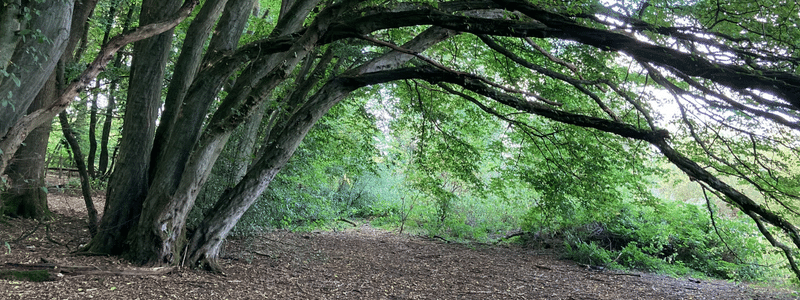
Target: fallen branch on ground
520 233
348 222
34 272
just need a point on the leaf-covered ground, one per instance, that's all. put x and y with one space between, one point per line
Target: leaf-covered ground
359 263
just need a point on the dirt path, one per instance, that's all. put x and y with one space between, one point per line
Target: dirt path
359 263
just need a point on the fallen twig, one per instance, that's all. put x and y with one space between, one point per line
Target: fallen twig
85 270
50 237
625 274
264 254
441 238
348 222
520 233
26 235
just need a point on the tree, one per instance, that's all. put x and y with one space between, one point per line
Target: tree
27 194
557 25
128 185
72 141
111 96
582 65
31 35
27 172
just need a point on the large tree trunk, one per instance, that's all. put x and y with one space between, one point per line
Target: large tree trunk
128 185
205 243
181 171
32 68
27 195
159 237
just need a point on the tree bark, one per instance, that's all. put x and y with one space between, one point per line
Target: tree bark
181 129
245 148
128 185
184 73
10 25
38 142
33 68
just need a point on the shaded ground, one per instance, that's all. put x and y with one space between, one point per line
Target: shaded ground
359 263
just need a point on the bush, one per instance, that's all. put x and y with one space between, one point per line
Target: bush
674 238
587 253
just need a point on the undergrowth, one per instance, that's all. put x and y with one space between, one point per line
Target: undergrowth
671 238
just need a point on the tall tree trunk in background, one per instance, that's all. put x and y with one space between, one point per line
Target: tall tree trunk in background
102 164
93 118
128 185
72 141
109 114
27 195
90 159
79 32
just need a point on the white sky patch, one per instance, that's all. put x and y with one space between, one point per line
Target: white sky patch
384 109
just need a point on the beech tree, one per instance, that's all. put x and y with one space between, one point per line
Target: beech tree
726 68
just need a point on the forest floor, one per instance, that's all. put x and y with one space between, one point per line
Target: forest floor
361 262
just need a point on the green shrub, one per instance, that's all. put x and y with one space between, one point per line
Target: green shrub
674 238
587 253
